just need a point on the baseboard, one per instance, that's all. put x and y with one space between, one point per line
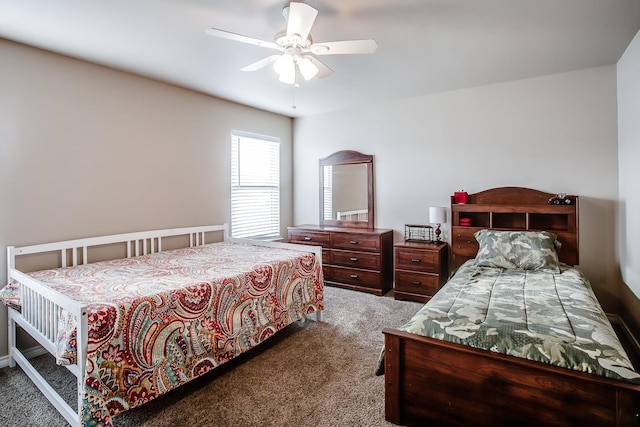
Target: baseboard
629 341
28 353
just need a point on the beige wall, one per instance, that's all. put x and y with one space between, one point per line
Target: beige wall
556 133
628 229
86 150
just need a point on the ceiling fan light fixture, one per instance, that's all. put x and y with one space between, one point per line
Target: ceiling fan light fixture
288 77
296 46
283 64
307 68
285 67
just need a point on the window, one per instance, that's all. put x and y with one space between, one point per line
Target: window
328 192
255 186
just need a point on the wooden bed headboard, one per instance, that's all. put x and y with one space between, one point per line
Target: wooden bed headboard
514 208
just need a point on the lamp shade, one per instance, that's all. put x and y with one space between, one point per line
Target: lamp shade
307 68
285 67
437 215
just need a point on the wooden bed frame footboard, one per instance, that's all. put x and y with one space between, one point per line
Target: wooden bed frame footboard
433 382
41 306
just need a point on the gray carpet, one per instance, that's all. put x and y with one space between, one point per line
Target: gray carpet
309 374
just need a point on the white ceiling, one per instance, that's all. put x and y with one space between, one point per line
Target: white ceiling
424 46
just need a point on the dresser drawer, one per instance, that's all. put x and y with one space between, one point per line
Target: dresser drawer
354 276
352 258
419 283
414 259
464 242
356 242
327 272
366 260
326 256
310 238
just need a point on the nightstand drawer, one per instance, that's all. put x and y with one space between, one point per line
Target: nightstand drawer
415 259
356 242
420 269
419 283
309 238
356 259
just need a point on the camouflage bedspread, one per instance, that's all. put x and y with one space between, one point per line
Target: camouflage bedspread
532 314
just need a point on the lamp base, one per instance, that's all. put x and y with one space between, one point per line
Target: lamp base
437 232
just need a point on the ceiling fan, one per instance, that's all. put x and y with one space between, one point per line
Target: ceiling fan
297 47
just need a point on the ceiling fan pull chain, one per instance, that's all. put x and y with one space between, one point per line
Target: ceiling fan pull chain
293 97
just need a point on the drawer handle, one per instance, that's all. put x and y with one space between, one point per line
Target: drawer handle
415 282
354 259
354 276
415 260
307 238
354 242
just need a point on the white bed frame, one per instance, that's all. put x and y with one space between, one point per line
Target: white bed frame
353 215
41 305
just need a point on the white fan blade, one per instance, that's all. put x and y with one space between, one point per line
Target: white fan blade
262 63
300 20
240 38
344 47
323 70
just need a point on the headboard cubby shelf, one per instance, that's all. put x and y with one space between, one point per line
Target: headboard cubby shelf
514 208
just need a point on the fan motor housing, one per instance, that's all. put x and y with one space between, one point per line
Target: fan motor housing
293 40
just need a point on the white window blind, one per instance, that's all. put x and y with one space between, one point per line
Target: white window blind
255 187
327 191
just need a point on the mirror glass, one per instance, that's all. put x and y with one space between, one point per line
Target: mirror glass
346 190
345 195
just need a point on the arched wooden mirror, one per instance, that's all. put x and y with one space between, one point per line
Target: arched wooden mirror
346 190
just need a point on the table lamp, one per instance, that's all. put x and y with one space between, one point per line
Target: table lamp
438 216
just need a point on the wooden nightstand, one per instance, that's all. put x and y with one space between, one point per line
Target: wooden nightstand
421 268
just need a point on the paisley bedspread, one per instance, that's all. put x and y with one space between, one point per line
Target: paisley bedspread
536 315
157 321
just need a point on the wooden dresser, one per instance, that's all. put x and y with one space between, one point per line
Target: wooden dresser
421 268
352 258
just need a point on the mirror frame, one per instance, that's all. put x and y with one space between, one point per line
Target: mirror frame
348 157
